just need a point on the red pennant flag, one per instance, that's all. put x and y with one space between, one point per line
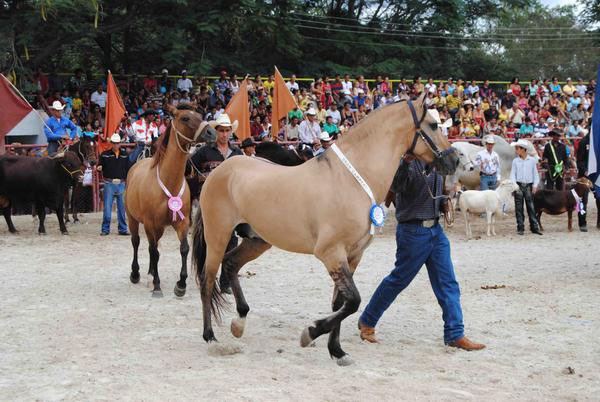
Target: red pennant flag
283 102
115 110
237 109
13 110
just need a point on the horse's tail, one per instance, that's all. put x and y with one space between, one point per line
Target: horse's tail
218 301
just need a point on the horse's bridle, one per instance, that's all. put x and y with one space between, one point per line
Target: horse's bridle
190 141
71 173
419 133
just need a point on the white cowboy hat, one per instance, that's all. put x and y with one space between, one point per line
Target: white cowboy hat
165 71
56 105
360 91
521 143
467 102
325 136
490 140
311 111
447 123
225 121
115 138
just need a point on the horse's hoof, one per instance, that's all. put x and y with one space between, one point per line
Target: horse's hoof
237 326
42 233
134 278
305 338
157 293
14 231
345 360
65 233
179 292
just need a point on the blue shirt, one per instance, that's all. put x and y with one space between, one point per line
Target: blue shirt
525 171
59 128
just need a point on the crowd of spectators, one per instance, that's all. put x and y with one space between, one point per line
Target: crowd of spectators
521 110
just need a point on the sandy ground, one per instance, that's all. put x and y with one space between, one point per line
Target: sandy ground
72 326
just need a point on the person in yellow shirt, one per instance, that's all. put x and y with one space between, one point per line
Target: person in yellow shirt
77 101
569 88
453 103
269 83
502 114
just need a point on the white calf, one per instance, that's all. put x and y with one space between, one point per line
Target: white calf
490 202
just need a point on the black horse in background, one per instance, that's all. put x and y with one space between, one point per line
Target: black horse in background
85 149
270 151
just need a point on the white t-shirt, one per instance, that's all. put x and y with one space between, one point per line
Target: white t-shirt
347 86
292 85
336 117
184 84
144 132
99 99
308 132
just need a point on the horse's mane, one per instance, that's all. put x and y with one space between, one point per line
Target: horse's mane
163 140
367 125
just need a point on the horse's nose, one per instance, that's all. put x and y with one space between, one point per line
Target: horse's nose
92 163
471 168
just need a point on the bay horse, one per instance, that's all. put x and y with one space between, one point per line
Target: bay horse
337 232
147 203
85 149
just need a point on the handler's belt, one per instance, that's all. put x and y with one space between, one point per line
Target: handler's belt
427 223
485 174
114 181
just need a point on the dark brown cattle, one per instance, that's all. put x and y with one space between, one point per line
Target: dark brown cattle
39 180
556 202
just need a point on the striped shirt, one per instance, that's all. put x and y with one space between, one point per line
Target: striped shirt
413 200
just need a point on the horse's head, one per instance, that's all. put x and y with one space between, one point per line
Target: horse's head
509 185
585 182
189 126
305 152
434 146
69 164
88 149
464 160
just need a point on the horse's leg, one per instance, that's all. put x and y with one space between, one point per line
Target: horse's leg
249 250
7 216
339 270
538 216
570 224
333 344
134 229
184 249
154 235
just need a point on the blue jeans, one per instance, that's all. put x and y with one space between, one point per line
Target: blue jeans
52 147
415 246
112 191
139 148
487 182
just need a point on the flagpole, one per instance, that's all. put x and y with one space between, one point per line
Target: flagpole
26 101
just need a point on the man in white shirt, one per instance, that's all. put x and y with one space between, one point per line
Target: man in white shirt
292 84
184 83
489 165
99 97
347 84
146 131
334 113
581 87
516 115
524 173
309 130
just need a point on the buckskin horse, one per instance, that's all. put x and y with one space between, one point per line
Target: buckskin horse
147 202
337 232
42 181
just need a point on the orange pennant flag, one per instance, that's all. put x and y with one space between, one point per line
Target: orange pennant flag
115 110
237 109
283 102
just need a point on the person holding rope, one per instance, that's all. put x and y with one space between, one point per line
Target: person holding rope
420 240
556 158
56 128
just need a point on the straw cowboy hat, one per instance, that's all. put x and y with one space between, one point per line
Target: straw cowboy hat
521 143
56 105
490 140
115 138
224 121
325 136
311 112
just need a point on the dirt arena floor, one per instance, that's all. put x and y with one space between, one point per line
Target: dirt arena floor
72 326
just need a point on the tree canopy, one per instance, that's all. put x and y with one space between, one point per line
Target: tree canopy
473 39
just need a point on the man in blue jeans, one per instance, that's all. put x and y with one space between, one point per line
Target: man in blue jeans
489 165
420 241
114 165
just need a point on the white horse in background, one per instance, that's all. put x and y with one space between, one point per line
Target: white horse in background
491 202
467 153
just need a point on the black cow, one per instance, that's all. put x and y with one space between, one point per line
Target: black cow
39 180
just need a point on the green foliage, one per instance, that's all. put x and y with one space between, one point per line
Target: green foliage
314 37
